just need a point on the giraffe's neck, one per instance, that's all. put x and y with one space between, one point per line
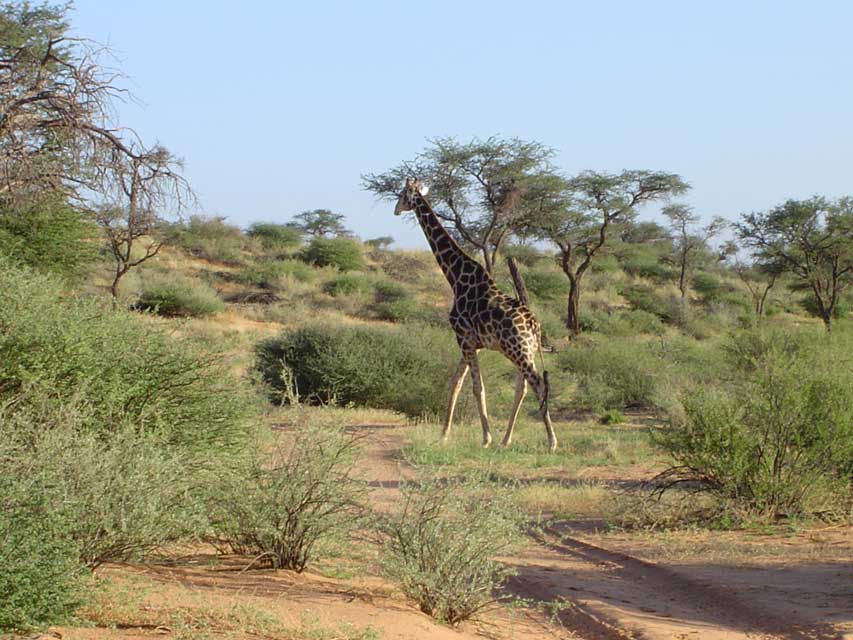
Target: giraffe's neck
453 261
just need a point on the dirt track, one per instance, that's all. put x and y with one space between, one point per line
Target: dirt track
611 594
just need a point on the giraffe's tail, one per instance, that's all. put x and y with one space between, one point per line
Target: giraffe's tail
543 405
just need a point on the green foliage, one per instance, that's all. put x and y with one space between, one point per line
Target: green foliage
286 506
525 254
271 274
775 436
841 309
708 286
623 323
546 285
811 239
347 284
627 372
402 310
117 497
612 416
645 298
171 294
646 264
443 542
210 238
344 254
118 369
385 368
381 243
49 236
390 291
616 375
275 237
41 581
605 264
320 223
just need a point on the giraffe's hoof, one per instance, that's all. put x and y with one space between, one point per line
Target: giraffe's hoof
505 444
552 447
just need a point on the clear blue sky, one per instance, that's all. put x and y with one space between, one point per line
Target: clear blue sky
278 107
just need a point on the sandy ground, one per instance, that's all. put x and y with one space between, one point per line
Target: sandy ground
605 586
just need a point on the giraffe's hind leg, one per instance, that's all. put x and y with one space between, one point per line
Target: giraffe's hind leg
520 392
479 395
455 386
541 389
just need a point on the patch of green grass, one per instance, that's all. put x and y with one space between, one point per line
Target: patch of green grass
581 445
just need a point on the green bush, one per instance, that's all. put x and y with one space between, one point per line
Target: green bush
288 505
775 436
50 237
345 254
117 497
443 542
390 291
405 310
809 304
271 274
348 284
624 372
623 323
612 416
41 581
646 298
275 237
617 374
381 367
119 369
709 287
210 238
605 264
546 285
171 294
644 263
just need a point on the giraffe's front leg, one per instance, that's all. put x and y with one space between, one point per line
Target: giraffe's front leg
479 395
455 386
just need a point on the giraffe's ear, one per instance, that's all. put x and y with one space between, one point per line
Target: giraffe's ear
424 189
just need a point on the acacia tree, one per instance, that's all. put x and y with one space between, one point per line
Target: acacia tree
143 188
483 189
580 221
689 240
813 239
759 280
321 222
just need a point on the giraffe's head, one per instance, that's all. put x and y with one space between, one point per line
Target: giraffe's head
408 197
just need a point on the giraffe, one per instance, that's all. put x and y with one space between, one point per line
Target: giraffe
483 317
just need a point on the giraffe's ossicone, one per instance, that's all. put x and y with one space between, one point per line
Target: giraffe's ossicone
483 317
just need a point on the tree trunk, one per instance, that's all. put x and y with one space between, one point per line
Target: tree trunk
573 303
114 285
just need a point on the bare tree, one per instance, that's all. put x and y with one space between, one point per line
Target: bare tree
57 129
145 187
58 134
689 240
482 189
